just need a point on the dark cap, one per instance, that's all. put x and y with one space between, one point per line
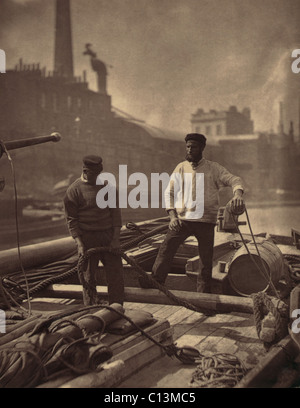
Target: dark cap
198 137
93 162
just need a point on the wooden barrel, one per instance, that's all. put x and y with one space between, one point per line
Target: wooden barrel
247 278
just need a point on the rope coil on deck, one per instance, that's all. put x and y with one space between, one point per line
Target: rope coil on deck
220 370
263 303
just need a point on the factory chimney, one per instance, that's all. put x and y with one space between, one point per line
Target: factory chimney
63 63
281 120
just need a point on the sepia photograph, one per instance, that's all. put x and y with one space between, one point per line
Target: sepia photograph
149 196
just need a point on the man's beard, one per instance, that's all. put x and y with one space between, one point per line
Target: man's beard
192 158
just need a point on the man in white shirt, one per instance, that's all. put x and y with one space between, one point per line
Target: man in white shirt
192 204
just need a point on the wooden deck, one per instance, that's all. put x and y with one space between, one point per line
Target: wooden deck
233 333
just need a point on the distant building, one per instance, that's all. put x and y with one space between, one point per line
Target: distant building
220 123
37 102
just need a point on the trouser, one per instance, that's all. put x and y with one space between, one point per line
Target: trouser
112 264
204 232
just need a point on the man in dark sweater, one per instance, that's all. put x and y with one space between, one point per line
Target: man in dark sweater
91 227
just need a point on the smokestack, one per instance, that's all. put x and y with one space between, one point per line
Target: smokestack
63 64
281 126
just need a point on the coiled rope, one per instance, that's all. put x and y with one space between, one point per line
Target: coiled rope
262 301
130 260
220 370
17 227
12 292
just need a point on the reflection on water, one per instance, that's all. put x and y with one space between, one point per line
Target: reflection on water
274 220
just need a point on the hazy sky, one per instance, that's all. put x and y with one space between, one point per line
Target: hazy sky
168 58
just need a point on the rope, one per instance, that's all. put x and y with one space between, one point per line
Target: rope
15 361
185 354
141 272
17 222
261 300
12 286
220 370
49 281
135 241
294 269
43 352
264 273
134 227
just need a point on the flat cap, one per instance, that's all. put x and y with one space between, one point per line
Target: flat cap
92 161
198 137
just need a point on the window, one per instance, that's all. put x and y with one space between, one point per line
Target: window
69 103
207 130
54 102
219 130
43 100
79 103
197 129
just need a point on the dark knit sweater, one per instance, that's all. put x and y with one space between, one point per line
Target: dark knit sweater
82 212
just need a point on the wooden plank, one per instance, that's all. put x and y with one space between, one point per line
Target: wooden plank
174 281
165 312
164 372
110 373
134 351
183 328
234 338
194 330
179 315
194 318
142 306
163 336
264 374
219 303
171 373
119 343
289 250
243 331
218 327
200 334
142 354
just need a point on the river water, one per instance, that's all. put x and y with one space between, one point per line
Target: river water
273 219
